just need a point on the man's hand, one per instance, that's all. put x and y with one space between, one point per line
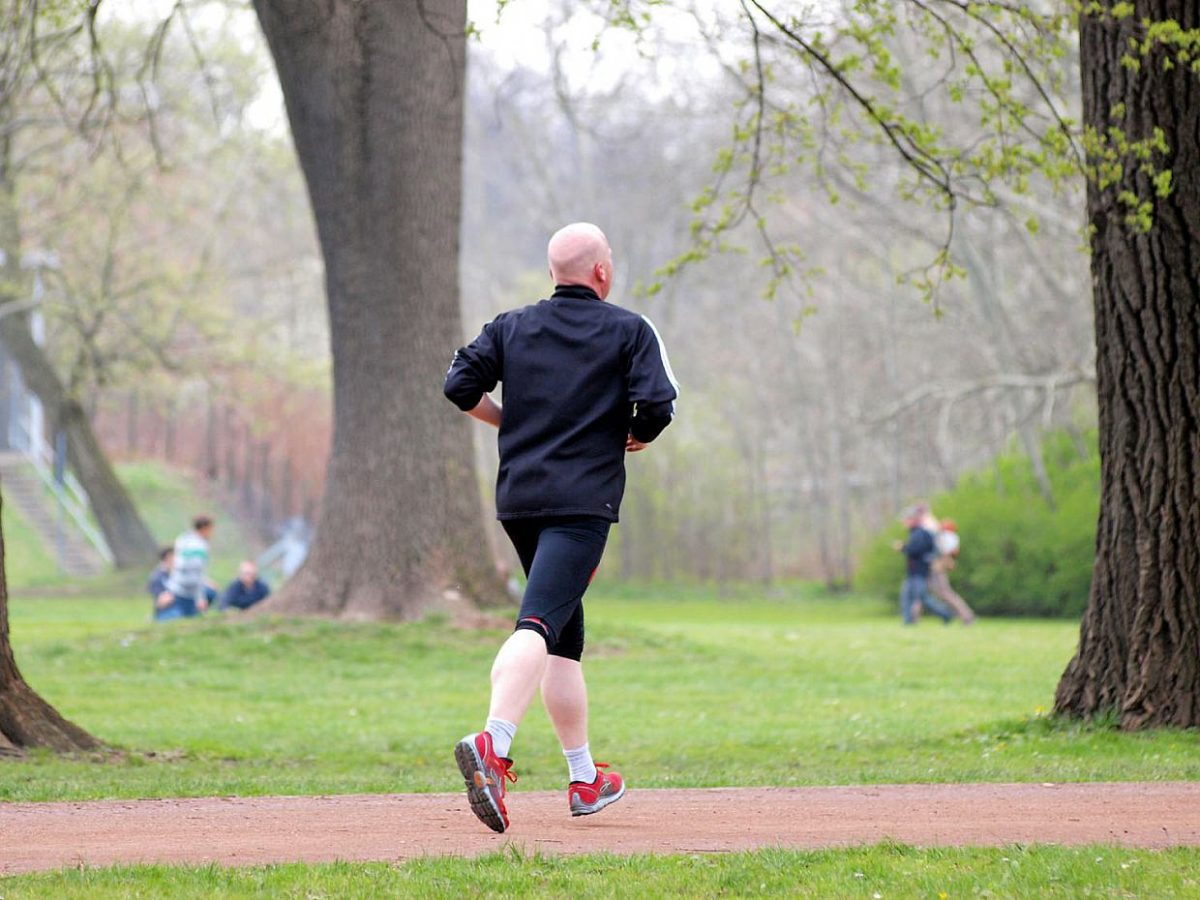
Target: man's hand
163 600
633 445
897 545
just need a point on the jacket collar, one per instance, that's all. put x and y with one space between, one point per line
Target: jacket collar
574 292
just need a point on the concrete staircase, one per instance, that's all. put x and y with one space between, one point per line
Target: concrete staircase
23 489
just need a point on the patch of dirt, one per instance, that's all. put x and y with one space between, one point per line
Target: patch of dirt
255 830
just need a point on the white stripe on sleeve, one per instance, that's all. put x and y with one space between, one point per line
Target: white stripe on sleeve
662 352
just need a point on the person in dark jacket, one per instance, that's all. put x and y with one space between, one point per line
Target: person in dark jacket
920 550
246 590
156 586
585 382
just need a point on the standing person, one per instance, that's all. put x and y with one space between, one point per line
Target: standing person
919 552
245 590
947 543
186 583
584 383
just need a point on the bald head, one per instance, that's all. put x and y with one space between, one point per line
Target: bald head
579 254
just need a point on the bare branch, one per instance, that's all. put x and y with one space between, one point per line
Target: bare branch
951 393
150 64
210 80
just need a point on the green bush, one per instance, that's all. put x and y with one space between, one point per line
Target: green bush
1020 555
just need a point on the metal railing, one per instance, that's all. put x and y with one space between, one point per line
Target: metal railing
70 493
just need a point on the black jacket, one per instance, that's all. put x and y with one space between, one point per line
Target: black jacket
238 596
919 551
579 376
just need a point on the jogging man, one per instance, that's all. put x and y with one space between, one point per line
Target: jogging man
584 382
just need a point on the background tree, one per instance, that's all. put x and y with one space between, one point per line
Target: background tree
57 114
1139 149
374 93
1138 644
41 46
807 420
157 208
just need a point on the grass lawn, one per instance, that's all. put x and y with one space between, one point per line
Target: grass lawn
28 560
688 689
785 688
870 872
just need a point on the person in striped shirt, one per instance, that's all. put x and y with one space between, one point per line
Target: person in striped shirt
188 583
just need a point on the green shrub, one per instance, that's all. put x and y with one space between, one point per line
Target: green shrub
1020 556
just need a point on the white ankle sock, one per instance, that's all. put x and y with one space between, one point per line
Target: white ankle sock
579 761
502 732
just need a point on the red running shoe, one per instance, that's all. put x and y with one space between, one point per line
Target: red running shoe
484 773
585 799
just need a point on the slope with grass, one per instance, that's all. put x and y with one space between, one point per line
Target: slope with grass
167 499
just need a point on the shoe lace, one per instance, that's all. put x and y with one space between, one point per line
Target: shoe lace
505 766
599 782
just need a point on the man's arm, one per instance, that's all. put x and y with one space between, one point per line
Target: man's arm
486 411
649 420
475 370
652 387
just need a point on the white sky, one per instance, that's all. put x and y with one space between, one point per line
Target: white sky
516 39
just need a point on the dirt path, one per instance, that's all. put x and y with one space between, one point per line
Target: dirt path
244 831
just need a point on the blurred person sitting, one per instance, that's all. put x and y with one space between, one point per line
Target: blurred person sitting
246 590
156 586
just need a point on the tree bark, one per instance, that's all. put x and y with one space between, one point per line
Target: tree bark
127 536
26 720
1139 648
374 92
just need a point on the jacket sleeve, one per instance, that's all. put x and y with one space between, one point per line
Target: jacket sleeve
475 369
652 386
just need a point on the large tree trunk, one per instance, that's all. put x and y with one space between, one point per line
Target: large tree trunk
26 720
130 541
1139 649
374 93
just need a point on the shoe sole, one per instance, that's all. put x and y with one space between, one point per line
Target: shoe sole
482 803
598 805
